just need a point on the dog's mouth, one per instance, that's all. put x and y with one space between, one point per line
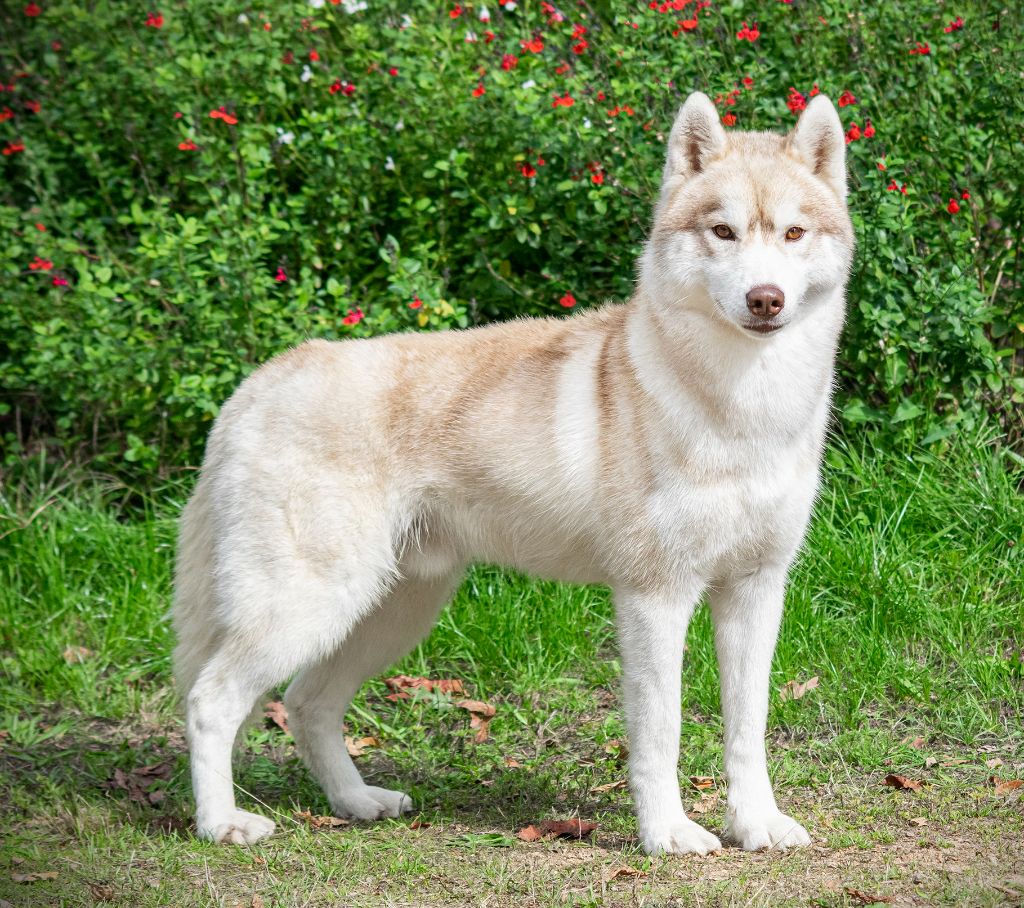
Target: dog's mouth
764 327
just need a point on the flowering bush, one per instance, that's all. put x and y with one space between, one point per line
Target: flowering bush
189 189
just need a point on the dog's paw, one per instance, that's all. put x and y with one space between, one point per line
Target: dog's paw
237 828
759 832
371 803
681 837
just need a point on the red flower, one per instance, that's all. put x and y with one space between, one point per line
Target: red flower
568 301
922 48
597 178
60 281
40 227
528 170
14 147
314 56
32 10
479 90
455 12
748 82
509 61
580 48
416 303
221 114
534 46
869 130
796 101
853 133
748 34
953 207
561 69
880 165
965 194
565 101
955 25
393 71
846 99
287 58
155 20
578 31
685 25
280 277
814 90
188 145
489 37
354 317
892 187
178 115
729 119
40 264
346 88
6 114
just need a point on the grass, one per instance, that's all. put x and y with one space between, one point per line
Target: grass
908 605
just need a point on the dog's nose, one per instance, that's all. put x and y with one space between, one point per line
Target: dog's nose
765 300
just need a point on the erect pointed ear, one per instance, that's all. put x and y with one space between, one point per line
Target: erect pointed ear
697 138
818 138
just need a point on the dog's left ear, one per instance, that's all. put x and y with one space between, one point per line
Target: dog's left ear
697 138
819 139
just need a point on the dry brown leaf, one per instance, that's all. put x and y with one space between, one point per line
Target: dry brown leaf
902 783
400 685
994 763
101 892
73 655
529 834
794 690
480 717
917 743
420 824
357 746
276 715
142 783
614 873
319 822
702 782
36 877
705 803
862 898
608 786
918 821
568 829
617 749
1005 787
512 763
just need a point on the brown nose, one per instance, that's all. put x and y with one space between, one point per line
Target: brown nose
765 300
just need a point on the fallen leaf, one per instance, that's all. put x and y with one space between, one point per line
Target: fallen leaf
617 749
419 824
902 782
529 834
615 872
141 783
609 786
918 821
994 763
1005 787
319 822
276 716
101 892
399 686
794 690
917 743
705 803
862 898
73 655
929 762
512 763
34 877
357 746
702 782
569 829
480 717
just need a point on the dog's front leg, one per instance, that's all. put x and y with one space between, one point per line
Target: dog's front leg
746 613
652 632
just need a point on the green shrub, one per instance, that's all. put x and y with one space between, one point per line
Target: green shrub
386 173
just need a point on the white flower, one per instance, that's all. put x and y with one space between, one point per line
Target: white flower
406 21
484 15
400 125
471 37
285 138
389 164
243 18
307 74
352 6
317 4
586 123
509 7
529 83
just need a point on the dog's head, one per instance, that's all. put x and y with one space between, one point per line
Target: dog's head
751 228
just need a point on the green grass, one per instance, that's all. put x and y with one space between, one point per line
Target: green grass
908 604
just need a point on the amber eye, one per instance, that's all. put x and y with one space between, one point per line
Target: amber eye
723 232
794 233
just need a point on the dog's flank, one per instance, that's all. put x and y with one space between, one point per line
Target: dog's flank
668 447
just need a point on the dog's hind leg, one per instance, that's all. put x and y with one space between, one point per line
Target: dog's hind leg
319 696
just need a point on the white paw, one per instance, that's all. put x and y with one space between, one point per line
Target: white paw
371 803
681 837
757 832
237 828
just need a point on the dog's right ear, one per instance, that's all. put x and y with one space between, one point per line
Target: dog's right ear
697 138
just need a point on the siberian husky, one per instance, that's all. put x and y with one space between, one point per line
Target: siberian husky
668 448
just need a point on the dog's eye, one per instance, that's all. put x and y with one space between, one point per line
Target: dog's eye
723 232
794 233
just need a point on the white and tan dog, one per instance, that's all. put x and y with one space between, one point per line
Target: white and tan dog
668 448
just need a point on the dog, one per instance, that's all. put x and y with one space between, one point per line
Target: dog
669 448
